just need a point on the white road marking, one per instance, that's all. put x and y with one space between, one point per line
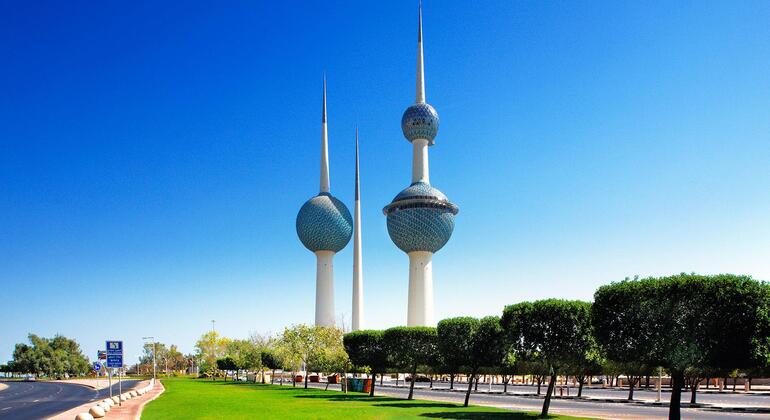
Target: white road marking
6 408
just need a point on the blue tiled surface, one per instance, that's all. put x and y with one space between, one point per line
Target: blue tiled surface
324 224
420 218
420 121
421 229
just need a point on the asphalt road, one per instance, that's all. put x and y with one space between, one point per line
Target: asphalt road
40 400
604 410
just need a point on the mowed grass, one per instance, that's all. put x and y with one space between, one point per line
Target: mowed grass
204 399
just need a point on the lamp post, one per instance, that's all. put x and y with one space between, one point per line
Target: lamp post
154 351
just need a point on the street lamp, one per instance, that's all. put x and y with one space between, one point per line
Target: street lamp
154 351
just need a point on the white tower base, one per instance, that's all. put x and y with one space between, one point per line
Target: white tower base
420 312
324 289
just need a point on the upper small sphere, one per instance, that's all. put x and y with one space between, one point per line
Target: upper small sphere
324 224
420 121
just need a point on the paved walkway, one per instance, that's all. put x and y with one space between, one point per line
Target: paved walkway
128 410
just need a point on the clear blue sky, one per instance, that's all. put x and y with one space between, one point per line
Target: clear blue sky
153 157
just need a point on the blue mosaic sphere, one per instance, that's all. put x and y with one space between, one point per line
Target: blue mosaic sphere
324 224
420 218
420 121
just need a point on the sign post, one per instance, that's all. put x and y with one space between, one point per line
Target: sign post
102 355
115 360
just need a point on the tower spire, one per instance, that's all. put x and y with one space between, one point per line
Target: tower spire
324 147
420 68
358 277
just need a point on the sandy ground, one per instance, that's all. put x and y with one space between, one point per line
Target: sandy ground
3 386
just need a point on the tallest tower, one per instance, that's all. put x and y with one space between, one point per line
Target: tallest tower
421 218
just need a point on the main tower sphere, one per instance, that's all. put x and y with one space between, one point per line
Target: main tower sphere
420 218
324 224
420 121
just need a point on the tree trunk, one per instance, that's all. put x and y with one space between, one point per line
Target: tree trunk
547 401
477 385
431 381
293 379
263 376
470 383
677 380
411 383
694 390
374 381
505 384
539 381
451 381
648 382
735 379
631 381
580 386
749 383
307 373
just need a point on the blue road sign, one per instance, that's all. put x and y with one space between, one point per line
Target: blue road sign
97 366
114 347
114 360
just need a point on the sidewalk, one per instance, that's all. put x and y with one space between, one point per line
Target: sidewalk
128 410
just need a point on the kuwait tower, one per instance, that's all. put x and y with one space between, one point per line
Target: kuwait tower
421 218
324 226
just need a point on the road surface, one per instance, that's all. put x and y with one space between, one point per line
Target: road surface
603 410
40 400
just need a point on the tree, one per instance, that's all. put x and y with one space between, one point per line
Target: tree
472 344
683 315
366 348
210 347
309 346
554 332
271 361
626 339
227 364
52 357
453 334
409 347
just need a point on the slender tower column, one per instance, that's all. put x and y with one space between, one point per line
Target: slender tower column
324 289
420 161
420 311
324 148
358 278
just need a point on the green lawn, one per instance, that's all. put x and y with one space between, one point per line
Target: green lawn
205 399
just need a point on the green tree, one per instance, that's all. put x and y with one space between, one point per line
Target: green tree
554 332
52 357
683 315
227 364
472 344
309 346
210 347
410 347
271 361
366 348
